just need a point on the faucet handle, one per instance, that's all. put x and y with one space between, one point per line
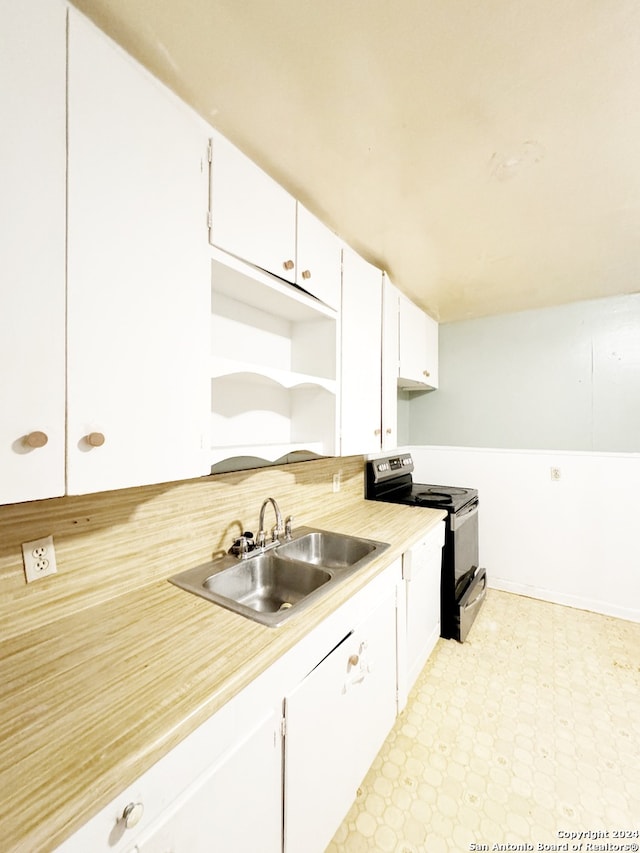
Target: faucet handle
288 526
243 544
276 533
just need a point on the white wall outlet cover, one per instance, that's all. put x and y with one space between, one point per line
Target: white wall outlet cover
39 558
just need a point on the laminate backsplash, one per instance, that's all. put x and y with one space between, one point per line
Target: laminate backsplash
111 542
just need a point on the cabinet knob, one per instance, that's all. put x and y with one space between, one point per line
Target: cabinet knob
354 660
306 274
377 431
288 265
95 439
388 430
132 814
36 439
426 373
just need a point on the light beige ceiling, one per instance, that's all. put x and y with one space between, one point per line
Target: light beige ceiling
486 153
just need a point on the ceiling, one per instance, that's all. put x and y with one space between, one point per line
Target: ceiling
486 153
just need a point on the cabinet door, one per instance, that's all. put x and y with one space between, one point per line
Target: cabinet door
361 355
318 256
336 721
32 236
235 806
418 347
421 571
252 216
138 273
390 364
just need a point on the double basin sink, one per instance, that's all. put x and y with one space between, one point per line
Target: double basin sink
272 585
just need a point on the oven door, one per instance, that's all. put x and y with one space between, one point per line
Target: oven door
463 527
470 603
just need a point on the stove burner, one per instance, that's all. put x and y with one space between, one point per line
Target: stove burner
435 496
432 497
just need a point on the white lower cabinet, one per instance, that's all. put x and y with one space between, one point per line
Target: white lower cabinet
234 806
199 796
419 609
335 722
234 785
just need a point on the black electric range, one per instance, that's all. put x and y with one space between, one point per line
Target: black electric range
463 582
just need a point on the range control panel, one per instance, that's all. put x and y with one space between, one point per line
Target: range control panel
391 466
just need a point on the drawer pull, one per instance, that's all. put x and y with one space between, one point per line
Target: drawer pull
95 439
36 439
132 814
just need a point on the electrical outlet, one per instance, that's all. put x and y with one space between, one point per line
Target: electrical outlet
39 559
555 473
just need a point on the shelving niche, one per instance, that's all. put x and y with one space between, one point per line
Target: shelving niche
273 365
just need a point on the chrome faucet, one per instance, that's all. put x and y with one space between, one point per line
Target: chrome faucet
276 532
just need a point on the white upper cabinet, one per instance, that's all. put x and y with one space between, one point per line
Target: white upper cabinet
251 216
318 259
390 363
361 419
32 299
418 347
138 274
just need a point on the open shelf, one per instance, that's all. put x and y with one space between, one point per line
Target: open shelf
274 354
285 378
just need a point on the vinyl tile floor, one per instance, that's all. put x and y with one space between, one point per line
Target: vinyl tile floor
525 737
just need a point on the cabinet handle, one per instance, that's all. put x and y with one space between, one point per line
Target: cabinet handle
354 660
36 439
132 814
288 265
426 373
95 439
306 274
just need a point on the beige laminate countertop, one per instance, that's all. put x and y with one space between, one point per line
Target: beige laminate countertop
90 702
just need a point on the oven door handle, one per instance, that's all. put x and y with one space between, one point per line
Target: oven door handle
458 519
479 596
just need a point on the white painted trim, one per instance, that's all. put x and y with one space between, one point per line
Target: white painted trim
602 607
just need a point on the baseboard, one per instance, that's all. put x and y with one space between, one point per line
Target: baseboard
602 607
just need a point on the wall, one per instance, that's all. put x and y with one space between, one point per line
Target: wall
520 394
573 540
565 378
111 542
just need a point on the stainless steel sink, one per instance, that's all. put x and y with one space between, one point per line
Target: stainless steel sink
273 585
267 583
332 550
